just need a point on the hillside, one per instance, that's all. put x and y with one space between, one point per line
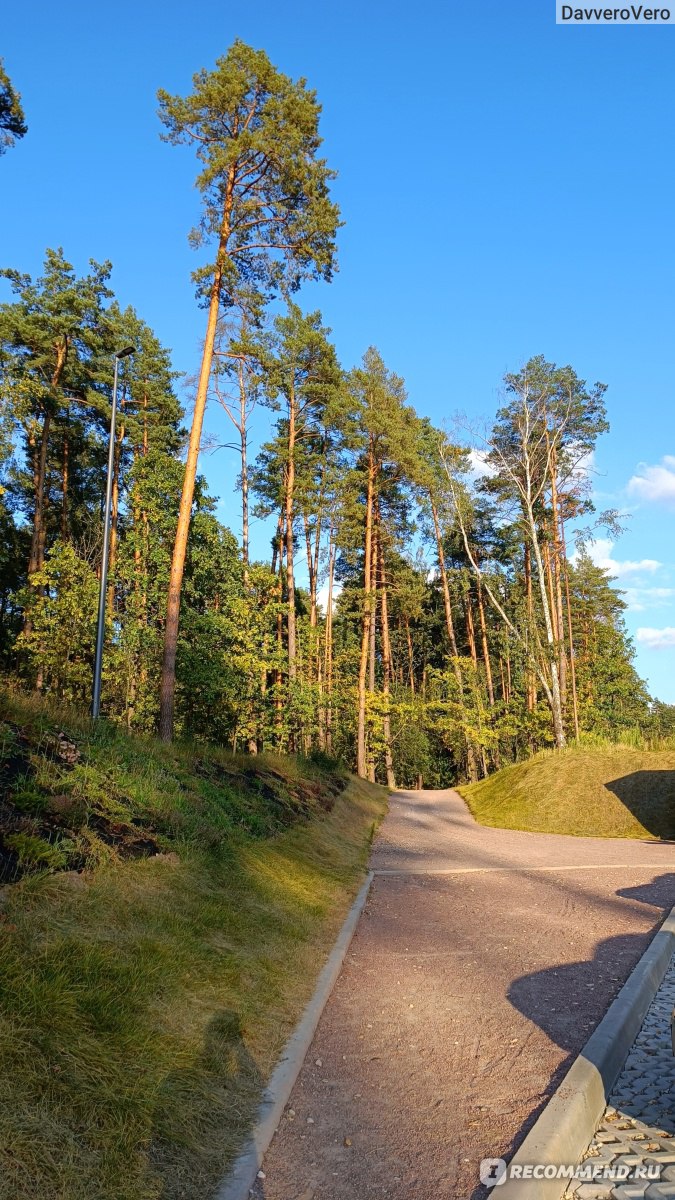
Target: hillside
172 909
593 792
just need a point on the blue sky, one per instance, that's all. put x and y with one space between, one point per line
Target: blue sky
507 186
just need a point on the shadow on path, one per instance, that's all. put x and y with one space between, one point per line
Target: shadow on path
553 1000
660 893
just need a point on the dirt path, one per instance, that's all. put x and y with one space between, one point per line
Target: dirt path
482 962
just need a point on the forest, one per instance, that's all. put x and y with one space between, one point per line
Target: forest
428 610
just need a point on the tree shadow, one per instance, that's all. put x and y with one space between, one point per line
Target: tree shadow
204 1111
650 796
557 1000
660 893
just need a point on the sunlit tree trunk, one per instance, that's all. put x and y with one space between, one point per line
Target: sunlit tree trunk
168 680
372 643
470 633
411 657
328 650
65 483
361 763
450 628
573 671
386 672
484 645
289 488
531 686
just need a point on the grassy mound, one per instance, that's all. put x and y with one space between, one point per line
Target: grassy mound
587 791
145 998
75 796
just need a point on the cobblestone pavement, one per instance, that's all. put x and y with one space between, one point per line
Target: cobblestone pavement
638 1127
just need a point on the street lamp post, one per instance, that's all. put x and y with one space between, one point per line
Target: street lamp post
100 626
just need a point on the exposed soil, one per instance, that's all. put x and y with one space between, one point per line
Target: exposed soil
56 816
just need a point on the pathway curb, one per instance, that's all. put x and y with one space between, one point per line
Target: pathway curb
566 1126
241 1176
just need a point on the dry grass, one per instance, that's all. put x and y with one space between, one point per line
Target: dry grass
144 1003
597 792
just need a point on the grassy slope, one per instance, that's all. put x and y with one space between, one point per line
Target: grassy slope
144 1002
612 792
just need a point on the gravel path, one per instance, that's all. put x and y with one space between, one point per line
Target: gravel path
482 962
638 1126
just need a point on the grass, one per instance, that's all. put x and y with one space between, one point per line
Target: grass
612 791
145 1000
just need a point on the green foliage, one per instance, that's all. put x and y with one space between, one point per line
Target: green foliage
62 609
485 638
35 851
12 121
256 135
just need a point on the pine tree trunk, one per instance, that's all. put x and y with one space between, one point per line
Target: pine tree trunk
484 646
244 503
361 765
557 576
444 583
573 671
411 660
450 628
310 571
65 482
470 633
168 678
278 697
276 542
556 704
313 656
529 673
328 651
372 641
288 510
37 544
38 537
386 669
314 574
243 432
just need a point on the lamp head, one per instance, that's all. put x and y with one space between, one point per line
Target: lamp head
125 352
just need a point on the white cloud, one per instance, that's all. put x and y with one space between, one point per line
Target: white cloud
322 595
600 552
638 599
656 639
584 467
655 484
479 466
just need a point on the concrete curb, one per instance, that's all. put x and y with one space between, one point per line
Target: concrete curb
241 1177
566 1126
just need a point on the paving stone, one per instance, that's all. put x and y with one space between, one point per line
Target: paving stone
594 1191
638 1124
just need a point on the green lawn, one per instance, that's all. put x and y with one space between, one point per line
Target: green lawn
144 1001
608 792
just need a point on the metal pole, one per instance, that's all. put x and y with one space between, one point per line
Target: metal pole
100 627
